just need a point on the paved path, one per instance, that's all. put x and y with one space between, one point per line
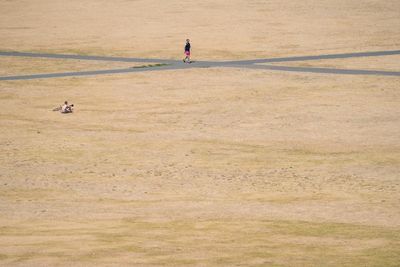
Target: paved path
177 65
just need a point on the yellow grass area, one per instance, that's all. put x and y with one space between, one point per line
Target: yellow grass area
200 167
10 66
218 28
184 243
290 169
382 63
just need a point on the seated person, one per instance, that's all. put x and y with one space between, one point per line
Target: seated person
65 108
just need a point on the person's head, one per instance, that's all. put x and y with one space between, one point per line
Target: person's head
187 40
66 102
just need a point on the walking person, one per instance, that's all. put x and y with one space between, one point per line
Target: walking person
187 52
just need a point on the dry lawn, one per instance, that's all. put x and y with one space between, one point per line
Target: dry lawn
200 167
382 63
10 66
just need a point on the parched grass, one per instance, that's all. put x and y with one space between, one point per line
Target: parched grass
337 230
221 152
206 242
31 194
27 65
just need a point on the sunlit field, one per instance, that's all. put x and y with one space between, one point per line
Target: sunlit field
210 166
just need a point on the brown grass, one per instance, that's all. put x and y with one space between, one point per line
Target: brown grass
202 167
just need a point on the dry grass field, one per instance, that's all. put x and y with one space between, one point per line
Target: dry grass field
200 167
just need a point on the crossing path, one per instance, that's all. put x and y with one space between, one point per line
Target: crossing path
166 64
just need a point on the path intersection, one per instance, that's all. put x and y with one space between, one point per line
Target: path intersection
165 64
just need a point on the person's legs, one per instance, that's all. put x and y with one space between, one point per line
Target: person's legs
187 58
68 109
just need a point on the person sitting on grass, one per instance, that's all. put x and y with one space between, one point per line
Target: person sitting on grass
65 108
